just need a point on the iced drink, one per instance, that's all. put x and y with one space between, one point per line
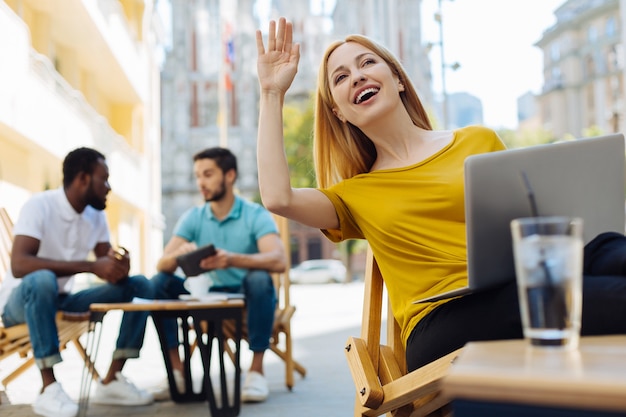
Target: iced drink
548 260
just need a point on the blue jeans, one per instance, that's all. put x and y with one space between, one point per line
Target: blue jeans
260 296
36 301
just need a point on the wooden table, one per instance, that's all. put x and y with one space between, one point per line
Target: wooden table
510 378
206 319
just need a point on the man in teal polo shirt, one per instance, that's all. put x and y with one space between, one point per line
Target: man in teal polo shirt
248 249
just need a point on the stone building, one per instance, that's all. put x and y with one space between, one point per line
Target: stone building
210 89
584 69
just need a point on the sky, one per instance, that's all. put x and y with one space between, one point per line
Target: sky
493 42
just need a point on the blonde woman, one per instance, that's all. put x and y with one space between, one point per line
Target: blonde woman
384 175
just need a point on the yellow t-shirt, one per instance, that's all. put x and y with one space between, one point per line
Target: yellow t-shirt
414 220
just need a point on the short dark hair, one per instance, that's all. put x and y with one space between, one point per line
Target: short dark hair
223 157
77 161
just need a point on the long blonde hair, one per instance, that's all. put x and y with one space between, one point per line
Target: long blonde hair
341 150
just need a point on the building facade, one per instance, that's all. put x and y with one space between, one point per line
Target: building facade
84 73
464 109
209 96
210 88
395 24
583 70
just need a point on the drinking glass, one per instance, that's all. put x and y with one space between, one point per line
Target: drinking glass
548 253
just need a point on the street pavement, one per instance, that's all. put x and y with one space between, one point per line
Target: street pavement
325 316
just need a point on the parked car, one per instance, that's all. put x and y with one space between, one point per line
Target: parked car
318 271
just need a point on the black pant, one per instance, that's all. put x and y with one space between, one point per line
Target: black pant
494 314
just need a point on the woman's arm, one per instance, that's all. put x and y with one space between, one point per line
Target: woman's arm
277 66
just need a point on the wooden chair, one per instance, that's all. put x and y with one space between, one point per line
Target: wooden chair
280 343
14 340
382 383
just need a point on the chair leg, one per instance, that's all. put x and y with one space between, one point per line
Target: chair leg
289 365
357 407
88 363
18 371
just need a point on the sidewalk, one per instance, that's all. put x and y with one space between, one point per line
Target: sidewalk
326 315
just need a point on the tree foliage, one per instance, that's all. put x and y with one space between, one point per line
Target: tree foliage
298 132
525 137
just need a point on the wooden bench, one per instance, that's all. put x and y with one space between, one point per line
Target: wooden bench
15 340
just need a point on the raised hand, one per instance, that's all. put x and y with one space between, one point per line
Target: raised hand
277 65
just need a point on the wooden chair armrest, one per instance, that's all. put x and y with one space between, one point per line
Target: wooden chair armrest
364 374
424 382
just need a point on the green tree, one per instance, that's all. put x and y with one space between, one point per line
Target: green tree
525 137
298 132
348 248
592 131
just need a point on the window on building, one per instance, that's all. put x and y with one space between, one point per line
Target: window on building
314 248
208 105
193 105
588 70
294 250
614 58
601 63
610 28
591 104
592 34
555 52
556 78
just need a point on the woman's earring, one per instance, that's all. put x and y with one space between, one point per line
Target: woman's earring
401 87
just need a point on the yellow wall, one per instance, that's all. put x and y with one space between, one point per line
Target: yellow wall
44 116
121 116
133 9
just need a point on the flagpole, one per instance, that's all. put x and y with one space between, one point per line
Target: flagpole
222 93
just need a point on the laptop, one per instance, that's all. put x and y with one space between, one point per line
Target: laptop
583 178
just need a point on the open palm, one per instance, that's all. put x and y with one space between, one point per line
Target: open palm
277 65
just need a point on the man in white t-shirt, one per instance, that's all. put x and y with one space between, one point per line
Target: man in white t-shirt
54 235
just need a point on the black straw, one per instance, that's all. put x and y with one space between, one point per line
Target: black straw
531 194
551 299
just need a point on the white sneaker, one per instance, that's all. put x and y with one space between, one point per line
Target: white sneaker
255 388
121 392
162 392
54 402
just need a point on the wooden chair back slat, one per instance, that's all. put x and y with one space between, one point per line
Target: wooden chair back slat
6 241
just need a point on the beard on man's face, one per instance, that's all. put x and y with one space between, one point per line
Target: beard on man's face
93 200
218 194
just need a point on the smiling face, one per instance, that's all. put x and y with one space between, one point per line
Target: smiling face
362 84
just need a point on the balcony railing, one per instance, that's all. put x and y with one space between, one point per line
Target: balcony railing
105 138
125 162
112 11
